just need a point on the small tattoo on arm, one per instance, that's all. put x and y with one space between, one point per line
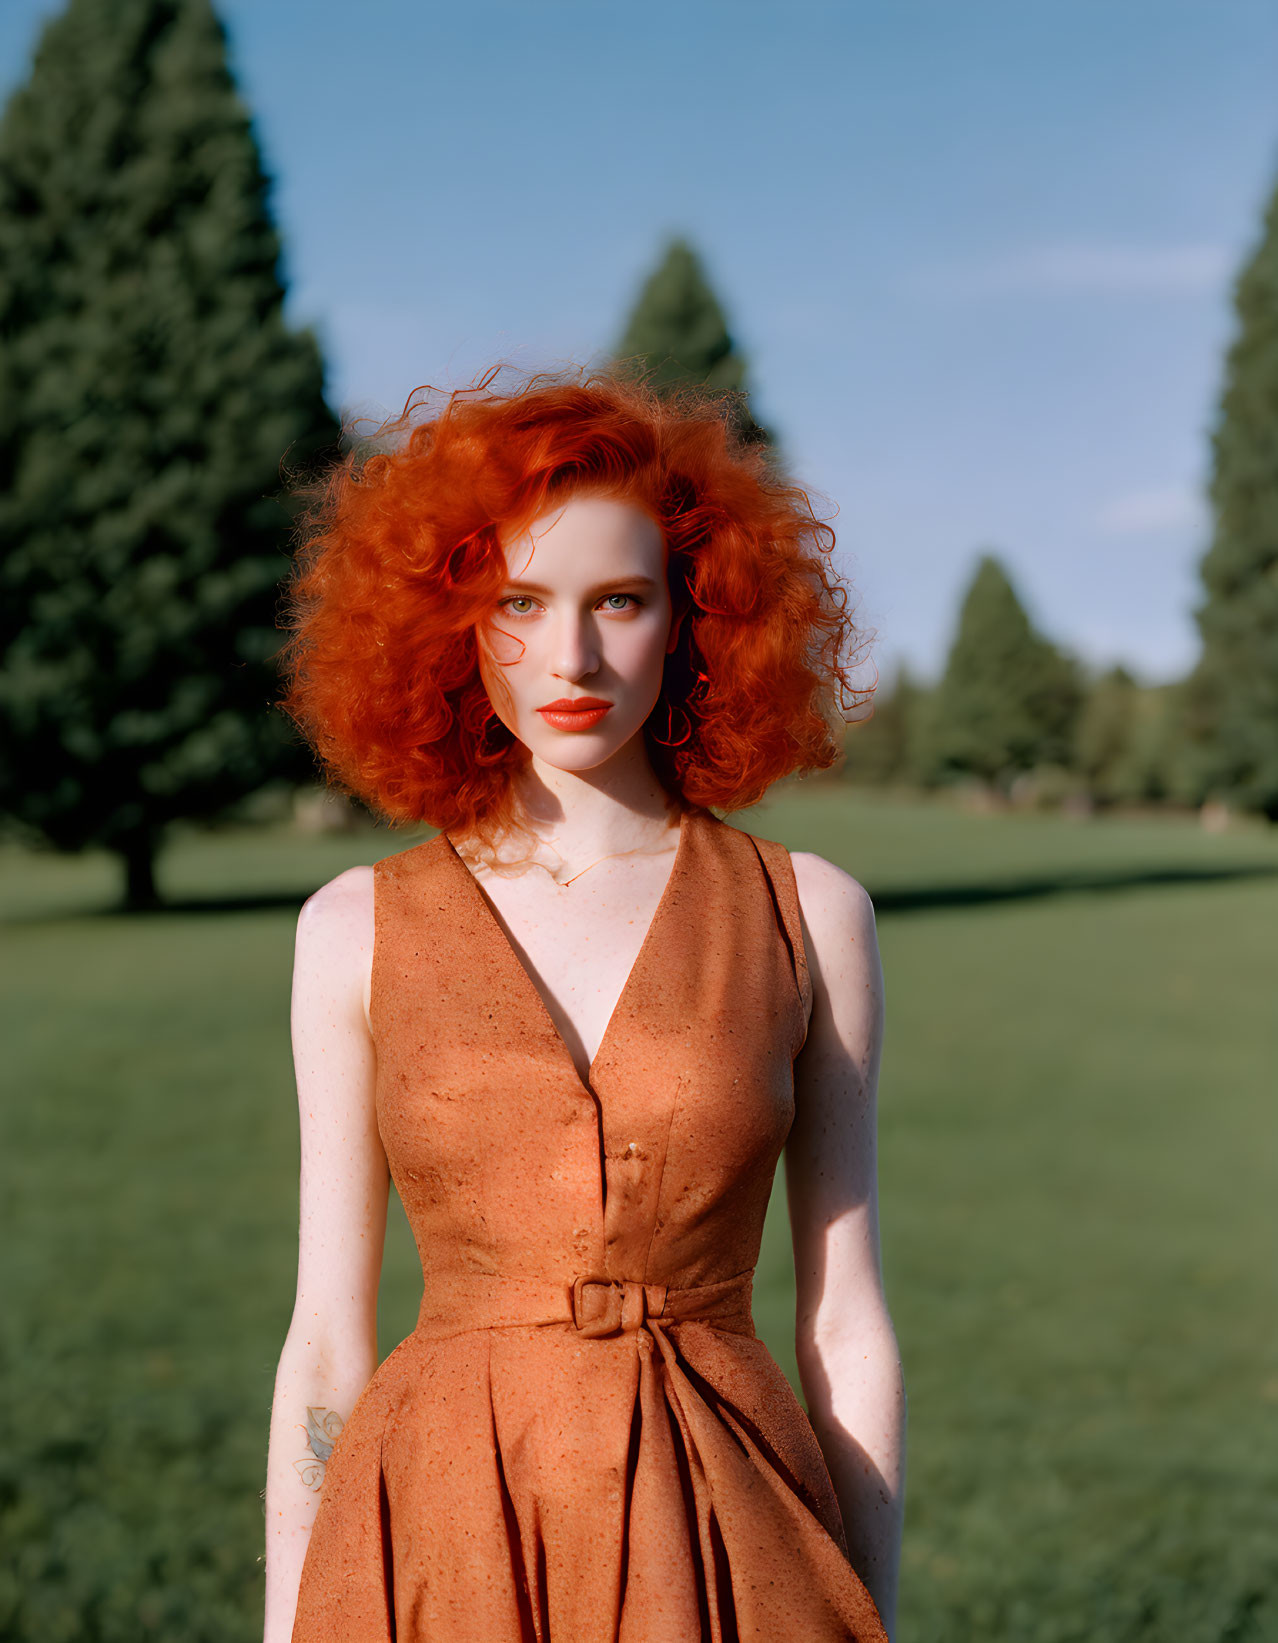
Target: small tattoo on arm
322 1427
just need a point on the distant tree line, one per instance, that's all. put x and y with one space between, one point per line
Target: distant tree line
1018 718
1015 714
155 409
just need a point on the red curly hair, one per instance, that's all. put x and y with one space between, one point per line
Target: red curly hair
400 559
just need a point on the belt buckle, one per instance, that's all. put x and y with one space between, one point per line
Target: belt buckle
609 1320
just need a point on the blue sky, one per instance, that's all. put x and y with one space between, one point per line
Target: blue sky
980 256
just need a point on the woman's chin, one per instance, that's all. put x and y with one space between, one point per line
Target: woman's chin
576 752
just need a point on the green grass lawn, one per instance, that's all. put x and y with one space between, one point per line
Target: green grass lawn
1078 1171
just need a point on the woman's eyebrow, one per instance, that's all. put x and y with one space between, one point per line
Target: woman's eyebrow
597 587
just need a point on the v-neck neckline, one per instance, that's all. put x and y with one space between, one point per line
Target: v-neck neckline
533 992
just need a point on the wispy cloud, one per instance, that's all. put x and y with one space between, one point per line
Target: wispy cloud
1119 270
1140 513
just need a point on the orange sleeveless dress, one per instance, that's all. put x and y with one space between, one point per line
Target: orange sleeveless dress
583 1440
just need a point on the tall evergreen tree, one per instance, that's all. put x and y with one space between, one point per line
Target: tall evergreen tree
1232 704
1124 741
1008 699
880 750
150 392
1104 732
678 334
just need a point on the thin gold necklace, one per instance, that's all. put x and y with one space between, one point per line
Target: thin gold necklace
552 873
564 883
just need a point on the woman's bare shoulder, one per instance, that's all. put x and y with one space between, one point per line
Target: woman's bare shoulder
835 905
333 954
843 956
340 912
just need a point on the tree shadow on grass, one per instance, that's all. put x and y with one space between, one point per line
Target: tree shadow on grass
260 901
266 901
922 898
915 898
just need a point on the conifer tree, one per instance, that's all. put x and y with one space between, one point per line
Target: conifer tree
880 750
150 395
1232 702
1126 739
678 334
1008 699
1104 732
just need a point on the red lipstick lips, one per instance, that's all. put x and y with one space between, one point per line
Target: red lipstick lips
575 713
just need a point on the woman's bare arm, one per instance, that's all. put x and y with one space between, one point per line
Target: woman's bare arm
331 1347
848 1359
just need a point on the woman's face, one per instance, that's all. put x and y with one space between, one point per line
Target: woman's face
573 652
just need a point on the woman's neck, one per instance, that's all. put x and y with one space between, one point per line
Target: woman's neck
570 819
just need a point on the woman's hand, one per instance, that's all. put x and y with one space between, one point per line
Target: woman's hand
848 1359
331 1347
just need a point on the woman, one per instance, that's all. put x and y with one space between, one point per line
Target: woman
577 1027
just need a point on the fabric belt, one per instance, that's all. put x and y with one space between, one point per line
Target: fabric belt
594 1303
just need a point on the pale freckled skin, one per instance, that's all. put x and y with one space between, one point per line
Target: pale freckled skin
849 1361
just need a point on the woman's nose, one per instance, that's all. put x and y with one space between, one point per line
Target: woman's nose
576 651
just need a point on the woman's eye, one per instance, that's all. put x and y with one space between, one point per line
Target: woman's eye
523 604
